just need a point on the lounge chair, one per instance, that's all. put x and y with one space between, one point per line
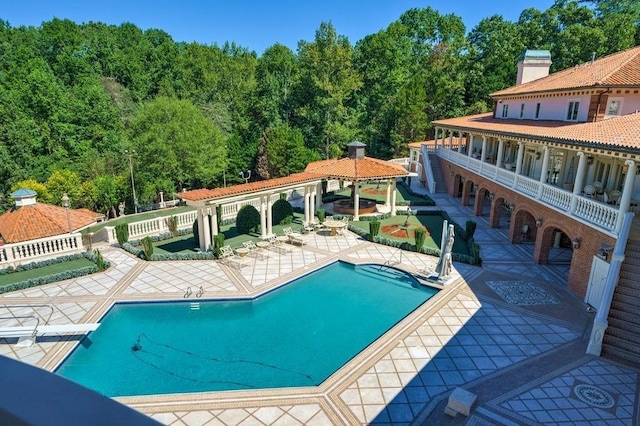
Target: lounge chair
277 245
254 250
294 237
229 258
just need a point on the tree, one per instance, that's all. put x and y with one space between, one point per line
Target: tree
42 193
175 142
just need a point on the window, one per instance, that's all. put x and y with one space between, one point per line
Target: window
521 110
572 112
538 110
414 156
614 107
505 110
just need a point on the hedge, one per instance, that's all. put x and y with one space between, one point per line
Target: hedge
139 253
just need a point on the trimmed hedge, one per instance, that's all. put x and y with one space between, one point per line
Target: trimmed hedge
280 211
139 253
248 219
33 282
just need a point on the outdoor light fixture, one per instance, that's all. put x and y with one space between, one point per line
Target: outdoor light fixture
576 242
491 196
538 222
247 177
603 252
590 159
66 204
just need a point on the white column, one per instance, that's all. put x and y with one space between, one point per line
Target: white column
469 144
214 220
312 203
318 195
500 153
460 142
356 201
577 186
269 216
544 170
205 243
393 196
450 139
387 201
263 218
435 138
520 157
306 205
483 155
627 189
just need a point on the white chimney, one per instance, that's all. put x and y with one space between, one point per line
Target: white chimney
534 64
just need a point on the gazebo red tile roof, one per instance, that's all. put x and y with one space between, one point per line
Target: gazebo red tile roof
618 132
25 223
356 169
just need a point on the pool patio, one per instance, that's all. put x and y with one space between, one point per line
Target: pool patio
509 332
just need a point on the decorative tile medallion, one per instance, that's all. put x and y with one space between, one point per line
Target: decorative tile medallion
521 293
593 395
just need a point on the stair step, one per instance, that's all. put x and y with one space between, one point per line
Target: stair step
626 305
617 343
628 275
615 352
625 290
623 315
630 336
628 326
629 268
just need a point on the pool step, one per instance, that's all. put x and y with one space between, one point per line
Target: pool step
195 306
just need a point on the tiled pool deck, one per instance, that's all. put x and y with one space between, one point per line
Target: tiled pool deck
509 332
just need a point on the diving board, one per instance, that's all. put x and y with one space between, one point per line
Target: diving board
26 334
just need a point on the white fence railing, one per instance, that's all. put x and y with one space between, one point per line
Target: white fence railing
588 210
44 248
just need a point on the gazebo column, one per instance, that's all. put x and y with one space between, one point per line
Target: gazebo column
263 217
393 196
269 216
500 153
356 201
387 201
577 185
627 189
214 220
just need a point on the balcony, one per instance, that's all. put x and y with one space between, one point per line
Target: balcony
597 214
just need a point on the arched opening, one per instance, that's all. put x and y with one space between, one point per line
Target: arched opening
525 230
557 248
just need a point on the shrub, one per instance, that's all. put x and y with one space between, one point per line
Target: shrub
196 234
321 215
469 229
248 219
218 242
219 216
122 233
280 210
420 235
99 260
374 228
172 224
147 245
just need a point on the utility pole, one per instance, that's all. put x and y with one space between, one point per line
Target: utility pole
130 154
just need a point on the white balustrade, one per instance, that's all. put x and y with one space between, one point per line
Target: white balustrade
528 186
44 248
556 197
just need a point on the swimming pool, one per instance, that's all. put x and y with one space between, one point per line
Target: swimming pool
297 335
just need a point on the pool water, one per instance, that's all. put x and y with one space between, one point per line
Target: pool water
297 335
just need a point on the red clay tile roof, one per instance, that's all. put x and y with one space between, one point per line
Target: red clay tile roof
620 69
356 169
40 221
247 188
618 132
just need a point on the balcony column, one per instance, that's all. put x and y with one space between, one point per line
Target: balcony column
521 146
460 142
500 153
435 138
483 151
577 186
627 189
269 216
356 201
544 169
450 139
469 145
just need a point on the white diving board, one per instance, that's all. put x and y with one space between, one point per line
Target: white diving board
26 334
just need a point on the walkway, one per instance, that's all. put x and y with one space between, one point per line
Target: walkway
509 332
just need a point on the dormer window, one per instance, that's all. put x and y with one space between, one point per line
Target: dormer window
614 107
572 112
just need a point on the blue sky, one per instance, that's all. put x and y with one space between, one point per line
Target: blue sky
256 24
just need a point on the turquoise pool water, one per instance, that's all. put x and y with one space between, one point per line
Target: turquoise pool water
297 335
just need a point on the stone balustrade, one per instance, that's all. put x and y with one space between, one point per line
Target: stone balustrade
44 248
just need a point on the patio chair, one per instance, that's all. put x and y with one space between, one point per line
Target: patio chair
525 232
229 258
614 197
277 245
254 250
589 190
294 237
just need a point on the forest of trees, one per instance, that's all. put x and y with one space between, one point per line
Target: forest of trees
79 101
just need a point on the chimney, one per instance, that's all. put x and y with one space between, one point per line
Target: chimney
356 149
533 64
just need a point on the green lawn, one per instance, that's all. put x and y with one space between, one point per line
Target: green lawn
142 216
44 271
433 224
372 191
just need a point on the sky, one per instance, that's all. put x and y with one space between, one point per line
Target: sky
254 24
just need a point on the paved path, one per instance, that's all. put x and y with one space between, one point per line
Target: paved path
509 332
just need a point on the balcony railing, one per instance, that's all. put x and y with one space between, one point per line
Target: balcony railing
589 211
